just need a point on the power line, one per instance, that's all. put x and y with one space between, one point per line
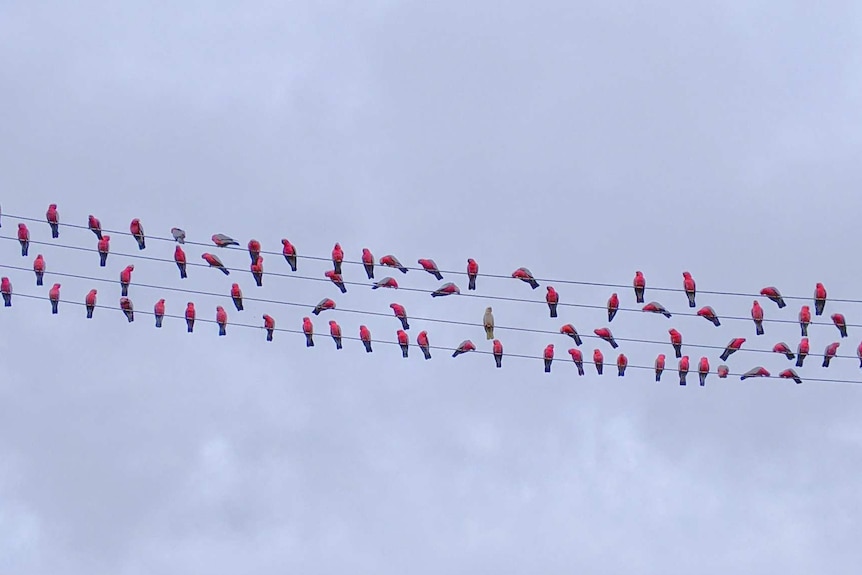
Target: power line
295 276
557 334
609 365
558 281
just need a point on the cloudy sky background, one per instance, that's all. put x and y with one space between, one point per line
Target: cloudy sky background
582 140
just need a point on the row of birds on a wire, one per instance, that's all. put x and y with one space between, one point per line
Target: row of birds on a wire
523 274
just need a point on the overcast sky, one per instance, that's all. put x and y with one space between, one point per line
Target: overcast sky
582 140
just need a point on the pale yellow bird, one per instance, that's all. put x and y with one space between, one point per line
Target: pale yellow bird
488 321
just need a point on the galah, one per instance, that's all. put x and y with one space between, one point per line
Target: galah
180 259
659 366
488 323
548 356
578 359
403 342
447 288
703 370
159 312
552 298
758 371
53 218
732 347
840 323
223 241
757 316
656 307
605 334
790 373
688 285
464 347
570 331
24 239
368 262
128 308
288 250
598 360
6 290
859 354
221 320
709 313
90 302
431 267
54 296
365 337
613 306
138 233
639 284
335 332
308 330
214 262
337 257
253 249
497 350
472 273
257 271
387 282
819 298
830 352
269 326
104 247
723 371
401 314
337 280
323 305
525 276
675 341
804 319
783 348
392 262
94 225
236 296
179 235
422 341
126 279
683 369
622 363
774 295
39 268
802 351
190 316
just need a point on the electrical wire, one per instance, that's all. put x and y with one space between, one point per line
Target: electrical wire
663 343
295 276
452 272
610 366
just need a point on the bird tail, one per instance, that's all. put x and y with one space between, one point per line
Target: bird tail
158 321
547 366
337 342
578 340
658 375
691 300
190 325
292 262
342 288
258 279
369 271
825 362
724 355
222 330
702 379
677 349
801 358
103 259
403 270
471 284
614 344
54 306
38 278
553 308
404 350
759 330
89 313
337 267
499 360
804 330
25 248
426 352
489 333
639 295
580 369
124 290
367 346
667 315
130 315
55 231
309 342
534 284
781 304
225 271
682 378
269 335
404 324
599 368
